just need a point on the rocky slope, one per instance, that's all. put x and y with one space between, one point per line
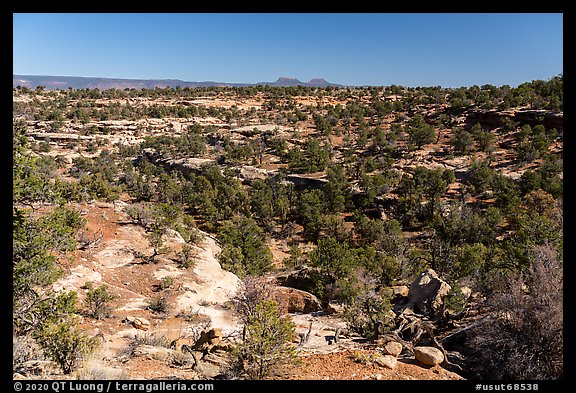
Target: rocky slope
135 340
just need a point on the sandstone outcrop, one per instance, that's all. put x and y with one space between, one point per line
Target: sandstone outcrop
292 300
139 322
426 294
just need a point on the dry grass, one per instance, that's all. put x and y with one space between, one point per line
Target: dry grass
96 370
152 339
24 348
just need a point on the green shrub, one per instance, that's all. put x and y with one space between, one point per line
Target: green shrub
64 343
97 301
158 304
420 133
267 341
187 257
455 301
35 241
469 260
368 313
44 147
165 283
334 262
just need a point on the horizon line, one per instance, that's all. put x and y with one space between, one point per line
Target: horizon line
266 82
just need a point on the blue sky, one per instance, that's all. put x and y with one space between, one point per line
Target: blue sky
428 49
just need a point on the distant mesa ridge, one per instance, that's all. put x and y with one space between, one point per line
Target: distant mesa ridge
285 81
82 82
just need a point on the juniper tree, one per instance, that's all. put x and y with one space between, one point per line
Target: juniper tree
267 342
244 247
420 133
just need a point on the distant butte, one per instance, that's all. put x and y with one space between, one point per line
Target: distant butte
78 82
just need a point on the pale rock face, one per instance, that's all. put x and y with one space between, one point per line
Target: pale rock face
173 236
250 173
217 287
428 356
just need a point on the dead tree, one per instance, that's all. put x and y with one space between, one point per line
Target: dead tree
417 325
186 349
305 336
336 334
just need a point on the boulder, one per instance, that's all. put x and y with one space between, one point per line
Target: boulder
219 358
139 322
214 336
426 294
187 165
176 126
387 361
306 180
335 308
292 300
393 348
208 340
400 290
466 291
429 356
